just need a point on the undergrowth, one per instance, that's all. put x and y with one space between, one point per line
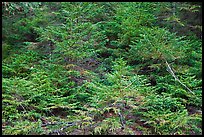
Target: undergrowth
98 69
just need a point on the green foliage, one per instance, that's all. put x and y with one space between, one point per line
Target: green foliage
5 50
132 17
165 114
86 67
155 43
18 7
108 125
24 127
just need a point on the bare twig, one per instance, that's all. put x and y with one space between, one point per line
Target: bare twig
130 84
176 78
121 120
64 127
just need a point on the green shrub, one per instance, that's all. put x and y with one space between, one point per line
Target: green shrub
165 114
48 74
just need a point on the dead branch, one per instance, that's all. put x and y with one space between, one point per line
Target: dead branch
121 120
176 78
